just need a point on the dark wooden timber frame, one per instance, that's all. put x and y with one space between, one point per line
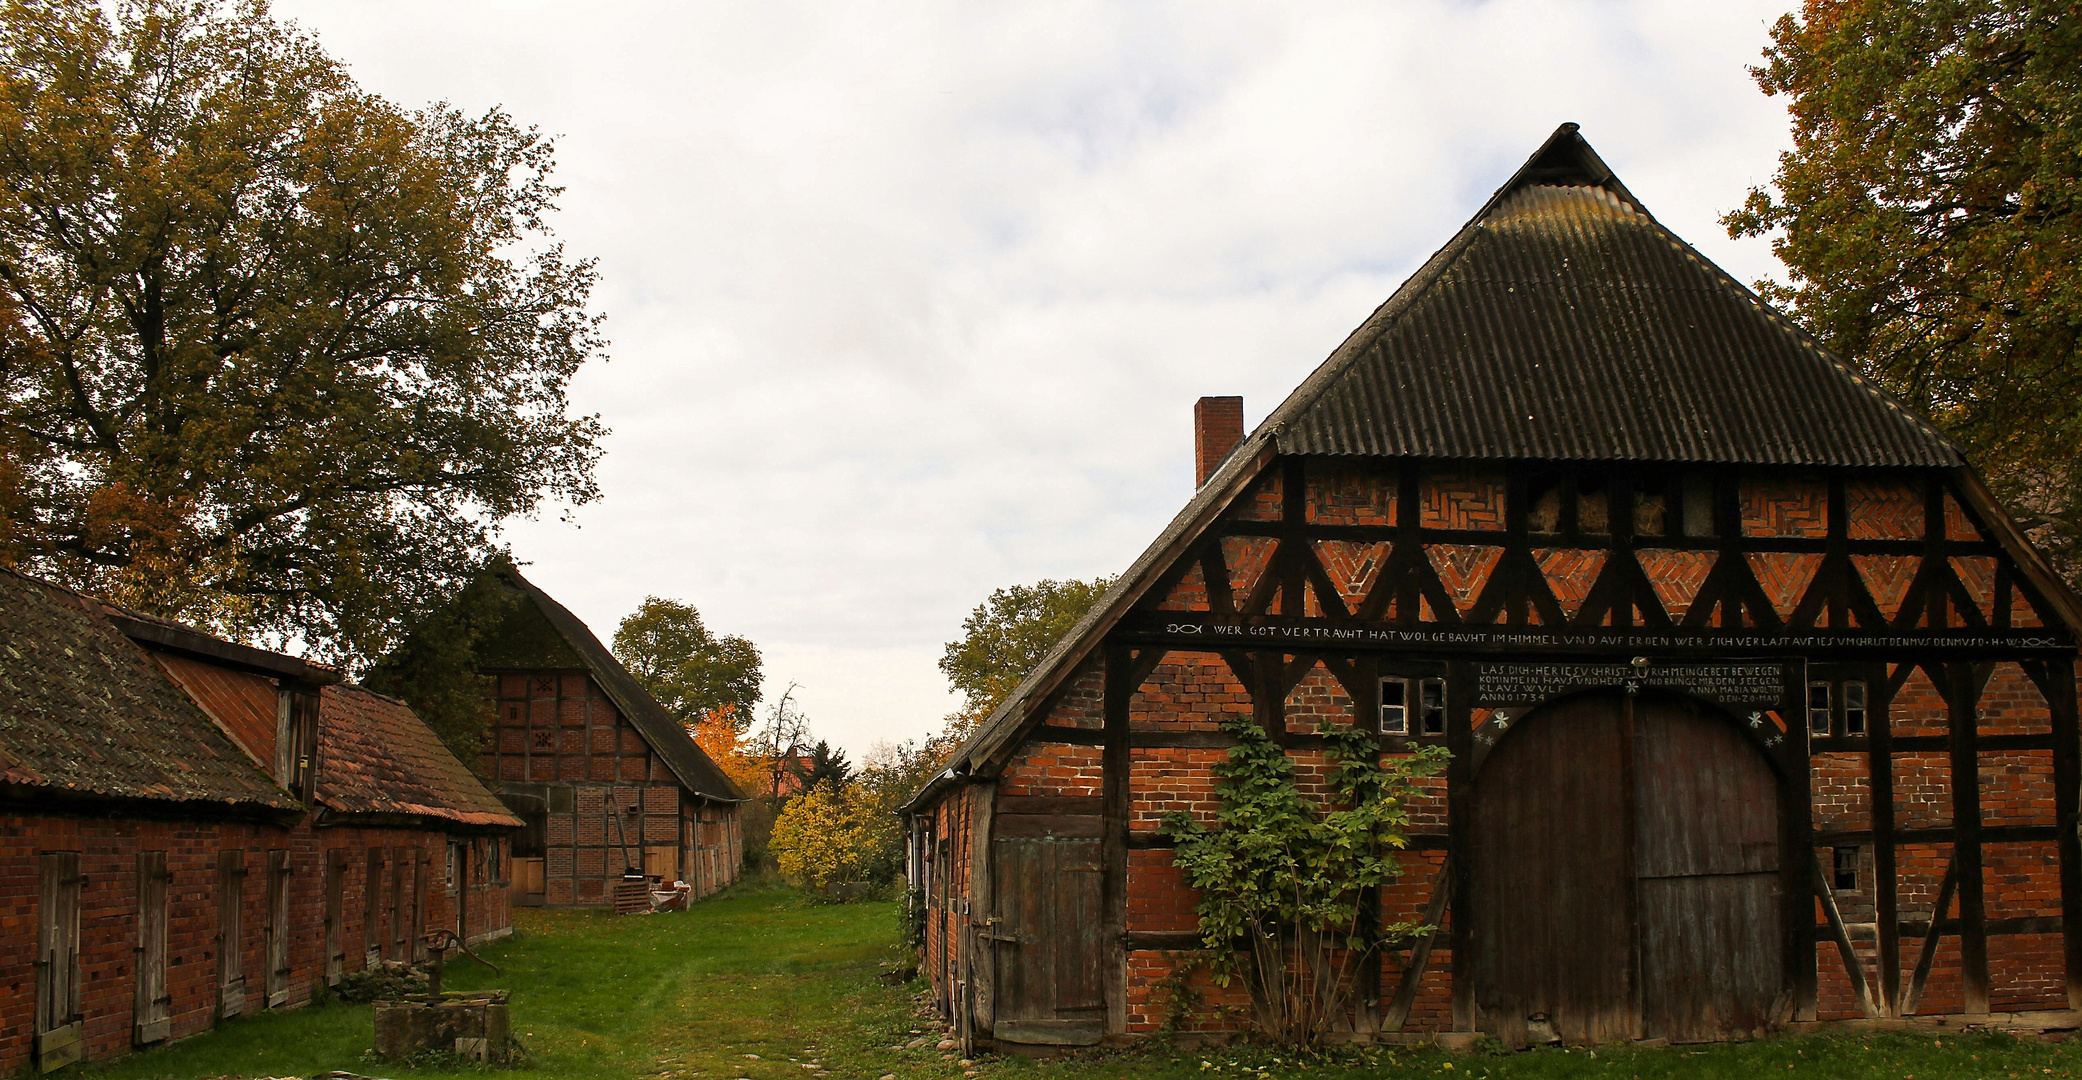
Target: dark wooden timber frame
1270 642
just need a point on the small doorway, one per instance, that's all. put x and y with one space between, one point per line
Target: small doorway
151 1005
1625 877
1047 955
58 961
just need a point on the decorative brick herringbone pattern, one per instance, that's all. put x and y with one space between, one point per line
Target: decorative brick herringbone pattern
1676 576
1977 573
1348 495
1247 557
1463 569
1353 567
1883 510
1463 501
1570 573
1887 578
1779 506
1784 576
1957 525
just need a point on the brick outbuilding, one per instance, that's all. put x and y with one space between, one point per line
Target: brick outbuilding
1760 708
612 787
192 828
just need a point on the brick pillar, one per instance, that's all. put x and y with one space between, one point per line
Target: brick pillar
1217 428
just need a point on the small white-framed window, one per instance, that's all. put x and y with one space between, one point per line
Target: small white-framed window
1853 707
1395 707
1844 871
1818 708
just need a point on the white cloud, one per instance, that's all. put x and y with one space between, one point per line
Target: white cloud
911 301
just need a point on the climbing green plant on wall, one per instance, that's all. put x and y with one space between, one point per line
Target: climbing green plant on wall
1283 876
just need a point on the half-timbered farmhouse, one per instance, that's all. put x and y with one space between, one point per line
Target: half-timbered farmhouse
197 828
1759 707
612 788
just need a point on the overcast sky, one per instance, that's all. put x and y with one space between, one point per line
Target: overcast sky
912 301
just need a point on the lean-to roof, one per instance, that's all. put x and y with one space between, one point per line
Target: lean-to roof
376 757
85 714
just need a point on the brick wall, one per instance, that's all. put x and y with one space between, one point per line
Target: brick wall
108 850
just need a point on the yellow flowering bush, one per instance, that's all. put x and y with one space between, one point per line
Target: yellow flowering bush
825 838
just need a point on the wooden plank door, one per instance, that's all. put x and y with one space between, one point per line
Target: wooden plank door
372 911
152 1005
403 866
335 915
1549 896
1046 951
1707 863
275 975
58 961
231 939
1625 876
422 868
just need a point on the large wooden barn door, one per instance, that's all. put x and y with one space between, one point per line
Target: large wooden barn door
1048 958
1625 878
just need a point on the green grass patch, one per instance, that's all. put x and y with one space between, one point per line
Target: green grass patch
760 983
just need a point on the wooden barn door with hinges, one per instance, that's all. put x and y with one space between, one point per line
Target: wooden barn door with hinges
1048 959
372 911
335 915
1625 876
231 942
152 1008
278 929
58 961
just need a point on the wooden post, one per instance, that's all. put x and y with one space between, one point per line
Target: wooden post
1796 862
1460 794
982 966
1115 762
2058 686
1962 695
1886 884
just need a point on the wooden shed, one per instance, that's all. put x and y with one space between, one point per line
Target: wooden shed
607 780
1760 709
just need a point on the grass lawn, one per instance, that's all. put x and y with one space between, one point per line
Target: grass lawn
759 971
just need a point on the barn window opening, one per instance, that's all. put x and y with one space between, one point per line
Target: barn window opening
1395 707
1432 702
1818 708
1593 508
1543 497
1844 878
1854 708
1698 506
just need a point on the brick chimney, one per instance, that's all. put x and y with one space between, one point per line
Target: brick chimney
1217 428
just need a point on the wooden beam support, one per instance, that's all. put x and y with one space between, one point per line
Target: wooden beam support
1852 966
2056 682
1886 886
1115 762
1460 822
1406 988
1928 952
1963 683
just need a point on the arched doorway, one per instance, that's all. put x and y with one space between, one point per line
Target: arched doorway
1625 879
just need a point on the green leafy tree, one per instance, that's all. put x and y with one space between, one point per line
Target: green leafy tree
693 673
1005 637
1282 875
276 355
1930 217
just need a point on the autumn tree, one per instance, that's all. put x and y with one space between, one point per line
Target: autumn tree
695 674
1930 218
1006 636
276 355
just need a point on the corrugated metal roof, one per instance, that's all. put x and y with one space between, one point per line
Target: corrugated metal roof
665 735
83 712
1563 322
377 757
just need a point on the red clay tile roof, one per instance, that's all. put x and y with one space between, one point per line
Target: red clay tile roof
83 712
376 757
